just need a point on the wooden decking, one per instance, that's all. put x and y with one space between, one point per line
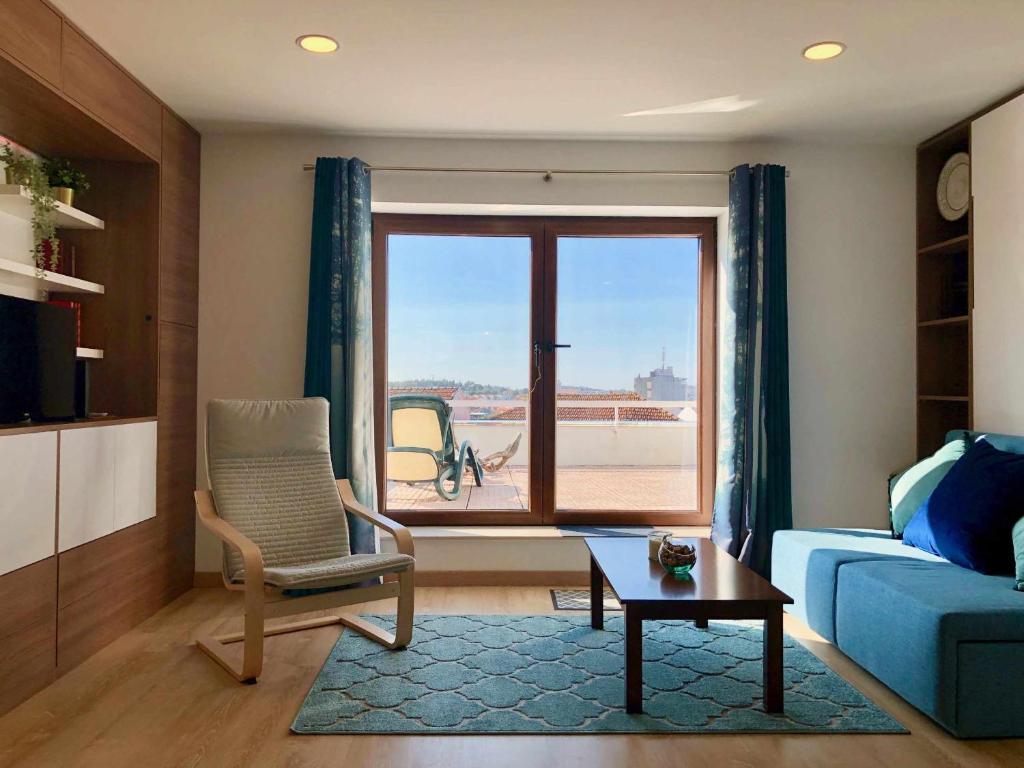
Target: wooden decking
626 488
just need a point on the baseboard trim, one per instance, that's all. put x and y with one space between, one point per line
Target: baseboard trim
206 579
502 578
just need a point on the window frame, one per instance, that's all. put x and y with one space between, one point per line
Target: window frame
543 233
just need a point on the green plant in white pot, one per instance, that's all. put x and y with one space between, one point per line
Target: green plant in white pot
31 174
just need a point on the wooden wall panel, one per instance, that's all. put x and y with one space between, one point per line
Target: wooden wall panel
41 118
30 34
28 605
176 447
98 84
179 223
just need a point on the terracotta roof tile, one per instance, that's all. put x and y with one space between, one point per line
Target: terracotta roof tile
446 392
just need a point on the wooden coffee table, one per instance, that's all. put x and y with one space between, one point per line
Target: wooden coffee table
718 587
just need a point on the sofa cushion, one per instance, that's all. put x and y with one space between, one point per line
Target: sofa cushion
969 517
909 489
915 624
1018 553
805 564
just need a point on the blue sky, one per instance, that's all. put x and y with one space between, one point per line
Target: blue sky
459 308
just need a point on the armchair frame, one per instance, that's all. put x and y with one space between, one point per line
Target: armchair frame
264 602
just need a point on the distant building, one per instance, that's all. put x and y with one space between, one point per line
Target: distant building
662 384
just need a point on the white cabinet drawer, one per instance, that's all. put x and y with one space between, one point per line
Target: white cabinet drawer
28 495
87 461
134 473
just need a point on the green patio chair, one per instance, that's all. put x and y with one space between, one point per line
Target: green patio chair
422 447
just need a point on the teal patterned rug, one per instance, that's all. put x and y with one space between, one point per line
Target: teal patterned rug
554 674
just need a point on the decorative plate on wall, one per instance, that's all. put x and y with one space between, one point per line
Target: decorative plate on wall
953 192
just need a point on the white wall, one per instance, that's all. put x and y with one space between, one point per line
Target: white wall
851 262
997 168
645 444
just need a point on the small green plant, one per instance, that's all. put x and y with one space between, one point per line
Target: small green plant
31 174
61 173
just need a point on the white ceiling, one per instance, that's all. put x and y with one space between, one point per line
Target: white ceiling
570 68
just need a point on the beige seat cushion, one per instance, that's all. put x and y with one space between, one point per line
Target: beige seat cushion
333 572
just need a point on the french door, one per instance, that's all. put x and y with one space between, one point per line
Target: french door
575 355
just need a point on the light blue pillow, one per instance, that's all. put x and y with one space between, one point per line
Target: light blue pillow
1018 552
910 488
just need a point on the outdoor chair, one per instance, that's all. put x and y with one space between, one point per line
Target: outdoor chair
422 448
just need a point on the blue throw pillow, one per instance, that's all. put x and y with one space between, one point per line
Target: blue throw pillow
970 515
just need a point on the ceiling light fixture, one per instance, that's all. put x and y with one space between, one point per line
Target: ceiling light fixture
709 106
317 43
823 51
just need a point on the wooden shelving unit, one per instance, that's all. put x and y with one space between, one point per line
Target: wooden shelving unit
136 267
944 300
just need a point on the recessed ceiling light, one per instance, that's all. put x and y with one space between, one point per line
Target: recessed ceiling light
317 43
826 49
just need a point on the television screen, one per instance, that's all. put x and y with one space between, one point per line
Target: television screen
37 361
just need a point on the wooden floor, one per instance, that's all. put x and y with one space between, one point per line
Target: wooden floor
151 699
667 488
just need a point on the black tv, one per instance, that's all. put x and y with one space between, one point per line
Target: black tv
37 361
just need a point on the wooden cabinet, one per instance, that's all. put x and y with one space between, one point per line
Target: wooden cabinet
107 481
87 459
118 510
134 473
102 87
997 170
179 223
28 631
28 479
30 34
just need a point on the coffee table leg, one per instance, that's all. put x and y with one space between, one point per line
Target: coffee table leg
596 596
701 623
773 660
634 660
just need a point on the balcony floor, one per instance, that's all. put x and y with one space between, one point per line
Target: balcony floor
668 488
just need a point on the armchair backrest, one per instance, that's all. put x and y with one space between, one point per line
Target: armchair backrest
269 463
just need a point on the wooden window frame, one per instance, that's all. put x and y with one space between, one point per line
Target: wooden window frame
543 232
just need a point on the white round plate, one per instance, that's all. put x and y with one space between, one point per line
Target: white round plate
953 192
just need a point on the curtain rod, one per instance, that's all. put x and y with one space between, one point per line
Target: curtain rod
545 173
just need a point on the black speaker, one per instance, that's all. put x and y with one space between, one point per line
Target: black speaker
82 389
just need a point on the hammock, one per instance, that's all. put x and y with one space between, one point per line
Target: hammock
492 462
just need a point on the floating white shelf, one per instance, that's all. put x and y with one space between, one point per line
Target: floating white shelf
28 276
15 200
88 353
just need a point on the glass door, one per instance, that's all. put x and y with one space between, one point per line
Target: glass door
459 411
626 325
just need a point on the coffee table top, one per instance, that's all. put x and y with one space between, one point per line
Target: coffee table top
717 577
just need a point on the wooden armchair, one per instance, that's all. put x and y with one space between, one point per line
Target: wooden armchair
280 513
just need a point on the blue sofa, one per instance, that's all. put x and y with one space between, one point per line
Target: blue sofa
948 640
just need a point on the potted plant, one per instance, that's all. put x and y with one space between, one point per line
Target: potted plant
65 180
30 173
18 167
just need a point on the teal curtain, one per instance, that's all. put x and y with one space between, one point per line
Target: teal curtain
753 497
339 348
